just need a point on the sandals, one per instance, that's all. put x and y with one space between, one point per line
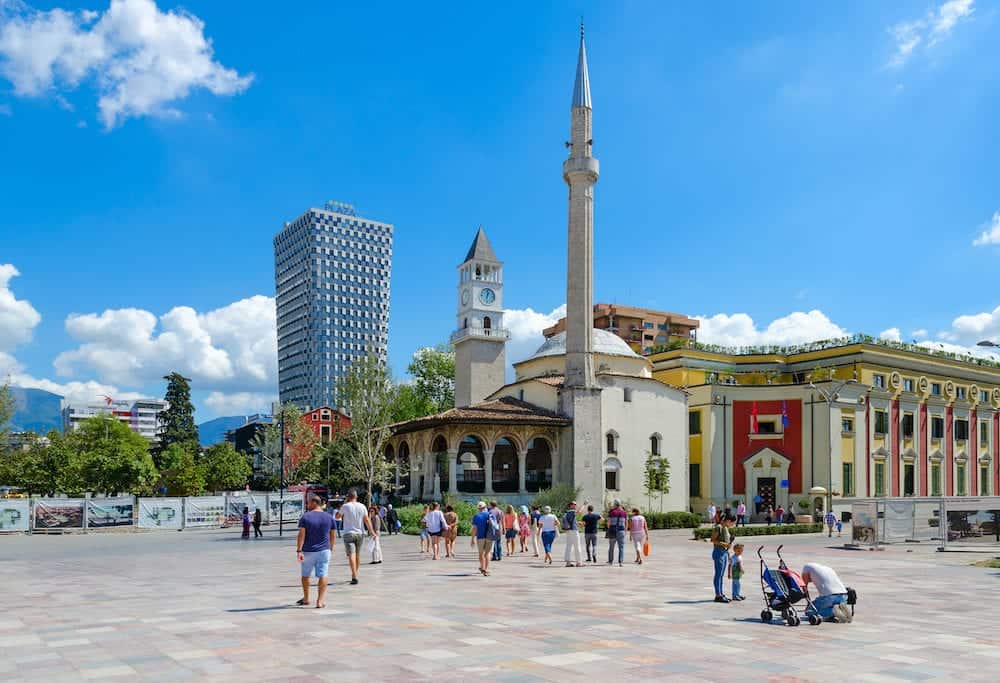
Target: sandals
301 602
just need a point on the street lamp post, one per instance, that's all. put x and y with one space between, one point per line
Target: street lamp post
281 473
831 395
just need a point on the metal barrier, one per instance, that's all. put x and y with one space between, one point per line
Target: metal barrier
962 522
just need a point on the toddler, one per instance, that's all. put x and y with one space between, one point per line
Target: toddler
736 570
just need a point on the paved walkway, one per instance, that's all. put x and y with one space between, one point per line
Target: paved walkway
168 606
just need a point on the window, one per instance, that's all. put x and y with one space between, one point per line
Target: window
984 432
960 393
879 478
881 422
767 427
847 425
909 479
906 426
937 427
487 323
935 388
984 480
694 480
628 395
654 444
612 468
935 479
960 479
611 442
694 422
961 430
984 396
648 326
662 326
878 381
908 385
848 474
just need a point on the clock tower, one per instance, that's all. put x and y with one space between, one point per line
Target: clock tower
480 339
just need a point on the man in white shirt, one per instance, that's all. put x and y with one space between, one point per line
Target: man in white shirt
355 518
711 513
832 599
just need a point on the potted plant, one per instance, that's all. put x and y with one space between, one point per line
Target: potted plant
804 517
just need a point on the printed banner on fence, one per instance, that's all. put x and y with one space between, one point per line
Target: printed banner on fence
294 506
898 520
14 514
161 513
109 512
59 513
236 501
205 511
864 523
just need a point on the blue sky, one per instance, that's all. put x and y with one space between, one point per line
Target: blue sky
835 161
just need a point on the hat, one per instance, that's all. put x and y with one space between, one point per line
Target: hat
547 510
524 509
482 505
617 503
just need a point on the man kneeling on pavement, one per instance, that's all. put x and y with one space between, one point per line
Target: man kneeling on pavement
831 602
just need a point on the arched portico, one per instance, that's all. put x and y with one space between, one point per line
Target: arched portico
764 472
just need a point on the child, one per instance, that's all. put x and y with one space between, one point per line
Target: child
736 571
840 527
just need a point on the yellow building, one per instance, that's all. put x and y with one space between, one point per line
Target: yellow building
857 417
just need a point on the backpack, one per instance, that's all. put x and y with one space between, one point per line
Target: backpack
569 521
493 531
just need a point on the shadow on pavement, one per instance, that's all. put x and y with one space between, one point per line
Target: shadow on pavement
690 602
263 609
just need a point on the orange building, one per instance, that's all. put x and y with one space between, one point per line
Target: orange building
644 329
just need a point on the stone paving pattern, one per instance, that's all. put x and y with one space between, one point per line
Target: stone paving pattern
207 606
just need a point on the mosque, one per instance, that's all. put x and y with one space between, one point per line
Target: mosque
584 409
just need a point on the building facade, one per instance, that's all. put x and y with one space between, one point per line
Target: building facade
141 416
332 272
644 329
854 417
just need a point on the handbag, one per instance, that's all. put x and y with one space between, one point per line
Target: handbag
645 548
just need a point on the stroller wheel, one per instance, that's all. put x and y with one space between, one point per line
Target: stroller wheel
814 620
766 616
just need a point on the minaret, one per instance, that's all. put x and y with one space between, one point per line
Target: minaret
580 172
581 397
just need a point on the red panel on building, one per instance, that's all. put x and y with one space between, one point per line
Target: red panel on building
924 473
973 441
996 454
789 445
894 443
949 430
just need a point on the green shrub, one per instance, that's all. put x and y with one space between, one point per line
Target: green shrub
410 515
703 533
558 497
672 520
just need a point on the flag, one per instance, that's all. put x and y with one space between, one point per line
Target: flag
784 415
753 418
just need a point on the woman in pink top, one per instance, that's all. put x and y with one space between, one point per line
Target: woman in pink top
640 534
524 527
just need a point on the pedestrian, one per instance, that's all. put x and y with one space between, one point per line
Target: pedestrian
425 538
840 527
355 517
510 529
481 537
710 513
436 526
640 533
831 603
246 522
831 521
524 527
392 520
382 512
617 521
451 533
312 548
571 529
590 522
779 516
721 541
536 527
741 514
256 523
736 570
497 515
768 515
549 526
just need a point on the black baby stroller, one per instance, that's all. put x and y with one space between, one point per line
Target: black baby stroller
782 589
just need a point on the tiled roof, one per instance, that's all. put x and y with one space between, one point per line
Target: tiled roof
506 410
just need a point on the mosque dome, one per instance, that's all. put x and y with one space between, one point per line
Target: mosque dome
605 343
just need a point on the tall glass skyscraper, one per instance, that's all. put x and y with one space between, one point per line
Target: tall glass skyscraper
331 273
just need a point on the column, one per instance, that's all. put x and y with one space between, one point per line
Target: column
522 459
414 477
396 459
488 467
453 471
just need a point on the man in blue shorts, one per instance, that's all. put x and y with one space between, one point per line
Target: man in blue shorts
316 536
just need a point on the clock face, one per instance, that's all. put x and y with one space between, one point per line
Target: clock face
465 297
487 296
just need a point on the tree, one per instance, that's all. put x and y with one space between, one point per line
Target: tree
6 415
177 421
184 477
367 392
300 442
433 371
112 458
225 467
656 478
409 404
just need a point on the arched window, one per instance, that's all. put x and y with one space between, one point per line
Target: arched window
612 474
487 323
403 458
440 450
611 441
538 466
465 323
505 474
470 477
654 444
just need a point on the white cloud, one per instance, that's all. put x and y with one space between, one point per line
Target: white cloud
233 348
739 329
931 29
919 333
991 235
892 334
140 58
75 392
18 318
239 403
525 326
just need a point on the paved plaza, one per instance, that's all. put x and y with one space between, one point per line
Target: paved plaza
169 606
